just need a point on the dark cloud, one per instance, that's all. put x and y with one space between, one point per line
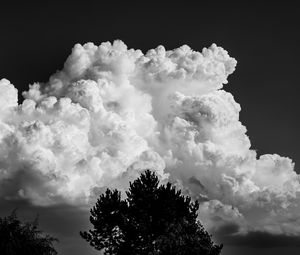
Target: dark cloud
246 250
255 239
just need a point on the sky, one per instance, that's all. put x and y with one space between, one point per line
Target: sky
36 40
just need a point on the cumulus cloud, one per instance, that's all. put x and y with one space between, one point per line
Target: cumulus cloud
112 112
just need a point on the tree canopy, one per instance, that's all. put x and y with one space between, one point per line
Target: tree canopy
17 238
154 220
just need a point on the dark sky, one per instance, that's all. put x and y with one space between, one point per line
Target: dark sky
37 37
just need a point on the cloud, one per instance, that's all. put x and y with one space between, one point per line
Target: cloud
112 112
261 240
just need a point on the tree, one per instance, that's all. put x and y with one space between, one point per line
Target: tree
17 238
153 220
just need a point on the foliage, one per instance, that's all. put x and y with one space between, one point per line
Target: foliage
17 238
153 219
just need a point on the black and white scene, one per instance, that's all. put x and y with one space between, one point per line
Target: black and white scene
149 128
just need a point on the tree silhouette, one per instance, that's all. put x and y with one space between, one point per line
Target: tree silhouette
154 219
17 238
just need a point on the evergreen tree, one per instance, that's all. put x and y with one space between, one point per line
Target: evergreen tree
153 219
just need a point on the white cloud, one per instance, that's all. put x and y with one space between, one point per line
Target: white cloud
113 111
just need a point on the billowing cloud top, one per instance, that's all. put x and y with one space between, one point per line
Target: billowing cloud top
113 112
